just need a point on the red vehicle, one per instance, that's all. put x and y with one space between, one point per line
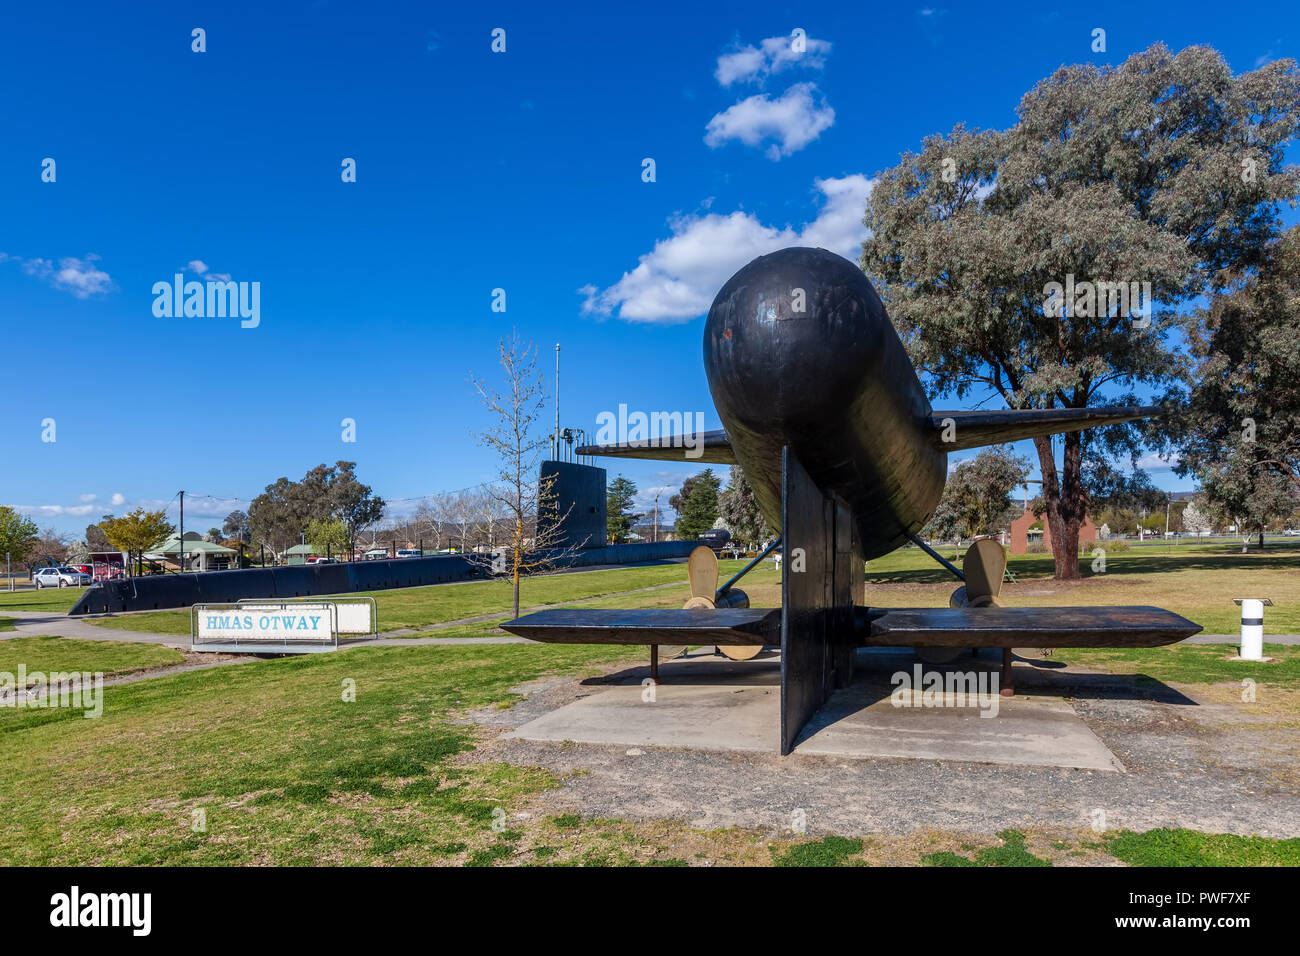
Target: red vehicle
102 571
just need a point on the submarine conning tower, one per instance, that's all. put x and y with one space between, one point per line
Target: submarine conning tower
799 351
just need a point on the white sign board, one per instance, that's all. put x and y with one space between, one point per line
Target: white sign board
266 622
354 617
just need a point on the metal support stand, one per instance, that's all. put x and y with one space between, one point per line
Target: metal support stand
1008 688
956 572
747 568
654 663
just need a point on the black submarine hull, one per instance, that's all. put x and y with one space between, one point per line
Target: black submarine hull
799 352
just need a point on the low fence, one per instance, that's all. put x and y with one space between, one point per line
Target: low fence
160 592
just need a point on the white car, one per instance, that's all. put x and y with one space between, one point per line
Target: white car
60 578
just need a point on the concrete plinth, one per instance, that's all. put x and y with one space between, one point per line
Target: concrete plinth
709 703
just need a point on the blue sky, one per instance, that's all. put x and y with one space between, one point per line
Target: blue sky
476 171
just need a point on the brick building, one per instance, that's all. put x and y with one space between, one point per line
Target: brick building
1021 535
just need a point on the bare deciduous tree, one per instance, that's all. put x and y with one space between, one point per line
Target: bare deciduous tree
517 489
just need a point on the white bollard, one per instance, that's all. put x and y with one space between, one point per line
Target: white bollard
1252 629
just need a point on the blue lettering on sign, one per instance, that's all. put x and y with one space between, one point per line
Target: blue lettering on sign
274 623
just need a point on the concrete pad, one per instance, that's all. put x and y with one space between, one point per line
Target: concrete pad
1026 731
706 703
700 703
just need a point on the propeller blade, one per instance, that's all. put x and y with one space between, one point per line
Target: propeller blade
702 573
984 566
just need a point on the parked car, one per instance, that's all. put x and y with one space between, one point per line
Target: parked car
409 553
60 578
315 560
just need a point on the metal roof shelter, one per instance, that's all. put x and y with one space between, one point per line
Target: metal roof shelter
191 547
298 554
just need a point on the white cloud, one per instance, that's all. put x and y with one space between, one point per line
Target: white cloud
755 63
55 511
200 268
81 277
793 120
1154 462
86 499
668 484
677 280
117 499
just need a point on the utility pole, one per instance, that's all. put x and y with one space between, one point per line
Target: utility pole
180 541
655 536
555 442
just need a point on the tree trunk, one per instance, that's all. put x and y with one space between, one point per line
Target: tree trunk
519 556
1063 498
1261 540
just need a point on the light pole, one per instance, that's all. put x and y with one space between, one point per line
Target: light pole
555 442
180 541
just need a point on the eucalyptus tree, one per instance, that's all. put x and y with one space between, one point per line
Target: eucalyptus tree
1242 425
1044 265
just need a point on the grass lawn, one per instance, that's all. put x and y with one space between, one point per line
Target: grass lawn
153 622
1188 663
46 599
267 763
6 623
45 653
1164 847
1190 848
437 604
285 769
